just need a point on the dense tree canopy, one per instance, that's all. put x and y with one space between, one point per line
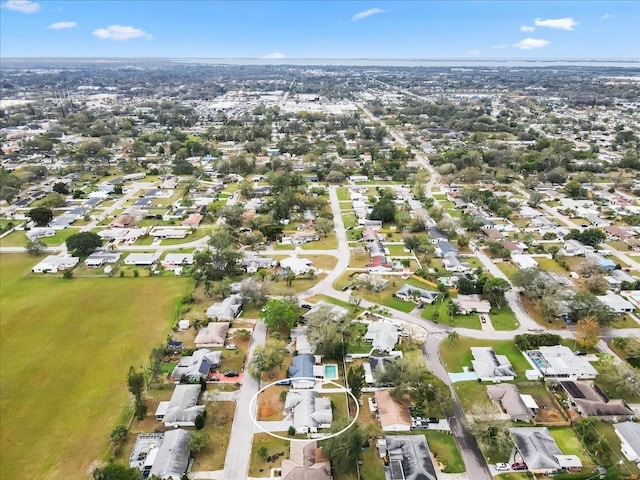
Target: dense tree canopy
83 243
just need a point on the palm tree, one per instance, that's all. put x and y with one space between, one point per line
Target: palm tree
289 277
453 309
453 337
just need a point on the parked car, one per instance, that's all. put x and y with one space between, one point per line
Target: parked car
231 373
231 346
306 306
433 420
483 319
519 466
501 467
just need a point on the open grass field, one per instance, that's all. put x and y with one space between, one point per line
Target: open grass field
65 349
443 447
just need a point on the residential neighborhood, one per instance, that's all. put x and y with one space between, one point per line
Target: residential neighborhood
434 274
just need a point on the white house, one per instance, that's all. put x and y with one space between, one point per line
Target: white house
182 409
297 265
55 263
629 434
228 309
491 367
559 362
310 411
144 259
524 261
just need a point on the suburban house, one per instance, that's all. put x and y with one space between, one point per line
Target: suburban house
491 367
326 310
453 263
227 309
436 235
444 248
616 303
382 335
303 371
617 233
144 451
574 248
472 304
302 344
540 451
197 365
310 411
213 335
393 416
590 401
409 293
55 263
253 263
182 409
172 457
493 234
375 282
524 261
123 221
97 259
141 259
377 364
601 261
297 265
629 434
409 458
519 407
306 462
558 362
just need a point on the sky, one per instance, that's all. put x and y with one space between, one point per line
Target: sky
461 29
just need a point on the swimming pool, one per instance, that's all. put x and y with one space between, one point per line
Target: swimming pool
331 371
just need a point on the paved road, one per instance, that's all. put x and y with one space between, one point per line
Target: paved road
236 465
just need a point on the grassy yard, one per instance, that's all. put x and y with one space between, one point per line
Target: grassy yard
473 394
438 313
459 355
385 297
328 243
550 265
343 194
607 431
80 337
371 468
258 466
218 426
569 444
507 268
503 319
443 447
323 262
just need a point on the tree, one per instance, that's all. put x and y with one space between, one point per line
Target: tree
267 357
344 450
589 236
324 226
35 247
118 436
494 290
619 377
83 243
61 188
596 284
574 189
289 276
463 241
588 332
135 384
453 309
411 242
453 337
535 198
116 471
497 250
586 304
253 292
280 313
40 215
355 380
385 209
327 331
535 283
198 441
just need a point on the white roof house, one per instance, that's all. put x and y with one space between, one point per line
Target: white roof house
524 261
520 408
472 303
55 263
228 309
382 335
616 303
197 365
172 458
491 367
213 335
629 434
560 362
97 259
141 258
297 265
310 411
540 451
182 409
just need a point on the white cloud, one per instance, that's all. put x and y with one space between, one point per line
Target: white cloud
566 23
607 15
275 56
62 25
500 45
367 13
121 32
473 53
531 43
24 6
527 28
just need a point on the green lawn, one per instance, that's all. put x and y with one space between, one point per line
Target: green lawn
459 355
569 444
328 243
65 349
14 239
503 319
349 220
258 467
343 194
550 265
385 297
438 313
443 447
398 251
474 394
371 468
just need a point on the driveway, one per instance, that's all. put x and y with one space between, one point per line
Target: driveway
281 426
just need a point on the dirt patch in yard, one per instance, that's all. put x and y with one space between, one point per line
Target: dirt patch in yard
270 405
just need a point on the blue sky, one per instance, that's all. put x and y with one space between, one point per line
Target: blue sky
321 29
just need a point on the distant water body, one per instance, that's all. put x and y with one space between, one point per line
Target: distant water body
382 62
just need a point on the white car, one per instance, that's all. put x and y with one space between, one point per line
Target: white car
231 346
501 467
